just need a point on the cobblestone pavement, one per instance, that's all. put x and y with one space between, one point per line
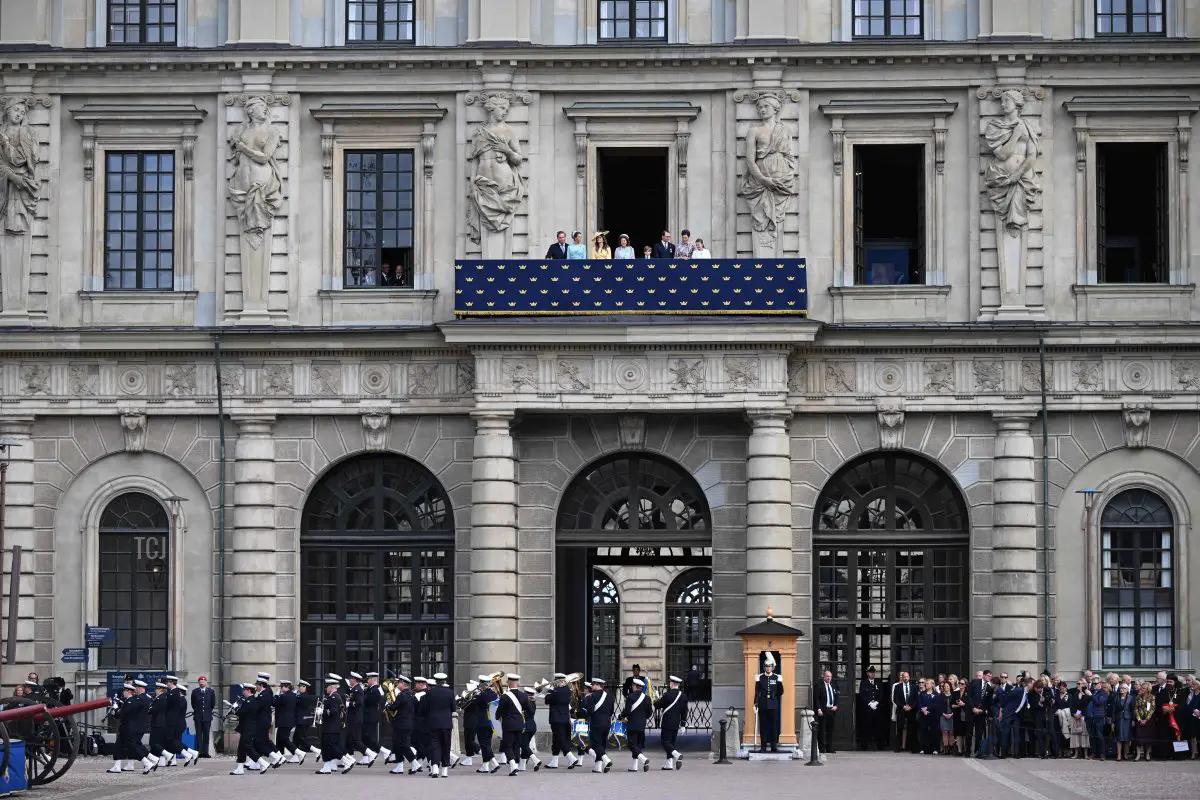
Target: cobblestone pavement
871 775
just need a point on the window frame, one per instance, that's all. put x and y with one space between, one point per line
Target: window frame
410 263
608 609
1128 15
694 612
631 7
858 227
142 194
180 7
351 42
887 16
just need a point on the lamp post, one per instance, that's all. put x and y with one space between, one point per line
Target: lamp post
5 446
1089 505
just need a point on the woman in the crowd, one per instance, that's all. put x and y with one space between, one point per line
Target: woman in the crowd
927 717
958 704
600 249
1123 721
1095 715
701 251
576 250
1062 713
1079 704
1191 715
945 709
623 250
1044 720
1143 721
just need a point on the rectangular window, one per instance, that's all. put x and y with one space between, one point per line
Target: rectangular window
389 21
889 214
1137 597
150 22
1132 213
1130 18
133 601
139 221
633 19
378 240
833 584
892 19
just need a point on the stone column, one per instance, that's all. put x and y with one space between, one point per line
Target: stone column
1014 542
493 544
19 530
252 631
769 516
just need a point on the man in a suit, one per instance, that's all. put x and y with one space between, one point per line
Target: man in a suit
663 248
904 696
825 701
978 700
558 250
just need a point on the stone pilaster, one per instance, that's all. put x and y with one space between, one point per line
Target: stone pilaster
252 629
260 21
1014 542
498 21
769 516
26 22
34 640
493 544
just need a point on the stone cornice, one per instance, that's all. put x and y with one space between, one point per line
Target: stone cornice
580 332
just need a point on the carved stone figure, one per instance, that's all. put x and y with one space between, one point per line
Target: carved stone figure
277 379
687 375
989 376
797 375
85 380
632 429
572 377
256 191
840 378
233 379
18 204
375 427
1137 424
770 179
1087 374
890 415
741 373
465 377
497 187
326 380
422 379
36 379
939 377
133 428
521 374
181 380
1009 176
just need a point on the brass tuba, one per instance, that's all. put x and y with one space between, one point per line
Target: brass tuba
496 680
575 681
391 689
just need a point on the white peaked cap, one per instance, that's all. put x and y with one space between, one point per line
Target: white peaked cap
512 676
332 681
303 682
372 674
264 676
638 682
356 676
558 676
440 676
139 683
485 678
335 676
674 679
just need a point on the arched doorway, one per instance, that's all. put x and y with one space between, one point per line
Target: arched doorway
377 570
891 538
135 581
634 509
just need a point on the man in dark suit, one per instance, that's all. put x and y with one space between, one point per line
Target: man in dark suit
437 709
825 701
978 700
203 701
403 710
663 248
904 696
558 250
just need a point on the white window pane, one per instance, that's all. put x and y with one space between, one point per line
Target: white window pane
1126 637
1165 656
1110 617
1127 617
1110 637
1126 656
1164 618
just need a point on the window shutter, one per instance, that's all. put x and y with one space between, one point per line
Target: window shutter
919 274
1161 269
1101 234
860 257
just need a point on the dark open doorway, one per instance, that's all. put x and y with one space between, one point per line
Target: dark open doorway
631 194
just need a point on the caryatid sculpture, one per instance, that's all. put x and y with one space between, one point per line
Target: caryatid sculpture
497 187
256 191
770 179
19 188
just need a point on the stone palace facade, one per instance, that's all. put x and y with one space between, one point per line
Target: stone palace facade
256 207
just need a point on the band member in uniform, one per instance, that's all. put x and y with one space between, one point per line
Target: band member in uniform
140 709
768 704
265 705
204 701
403 710
159 719
511 713
246 710
468 720
176 724
332 711
637 710
527 754
559 701
285 720
306 711
372 699
443 680
825 701
484 732
437 710
673 705
599 708
117 709
354 717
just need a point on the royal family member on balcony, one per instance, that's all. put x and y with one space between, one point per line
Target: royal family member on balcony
600 249
558 250
577 250
623 249
685 248
663 247
701 252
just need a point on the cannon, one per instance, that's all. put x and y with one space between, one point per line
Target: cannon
51 737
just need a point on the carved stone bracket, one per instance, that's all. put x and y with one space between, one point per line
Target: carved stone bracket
428 140
133 428
1137 424
890 415
512 97
939 146
189 156
839 139
996 92
681 151
581 148
633 430
754 95
375 427
269 98
327 140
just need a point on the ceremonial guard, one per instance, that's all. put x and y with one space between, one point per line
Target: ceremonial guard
599 708
264 702
372 704
870 693
420 738
204 701
355 699
403 710
303 742
527 754
768 703
637 710
285 720
673 705
246 710
332 712
437 710
511 713
484 732
559 700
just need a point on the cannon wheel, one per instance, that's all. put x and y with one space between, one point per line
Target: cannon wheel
50 744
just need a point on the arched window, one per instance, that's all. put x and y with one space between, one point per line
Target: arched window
689 631
1137 589
377 556
606 626
135 580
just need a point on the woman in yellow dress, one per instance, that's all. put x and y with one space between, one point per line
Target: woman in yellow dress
600 249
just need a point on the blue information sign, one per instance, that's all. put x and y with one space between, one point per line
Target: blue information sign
95 636
117 679
75 655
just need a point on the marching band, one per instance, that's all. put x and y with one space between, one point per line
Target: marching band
420 712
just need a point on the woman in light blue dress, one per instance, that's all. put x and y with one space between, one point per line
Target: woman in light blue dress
623 250
577 249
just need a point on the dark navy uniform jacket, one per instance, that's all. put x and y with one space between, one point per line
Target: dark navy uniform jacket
331 715
285 709
247 714
559 701
637 710
599 709
437 708
354 706
372 703
160 717
404 711
674 705
511 711
203 700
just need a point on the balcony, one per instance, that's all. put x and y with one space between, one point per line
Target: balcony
531 287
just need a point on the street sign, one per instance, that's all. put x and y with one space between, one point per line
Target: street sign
117 679
95 636
75 655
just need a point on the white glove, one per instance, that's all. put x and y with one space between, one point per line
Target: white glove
874 704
